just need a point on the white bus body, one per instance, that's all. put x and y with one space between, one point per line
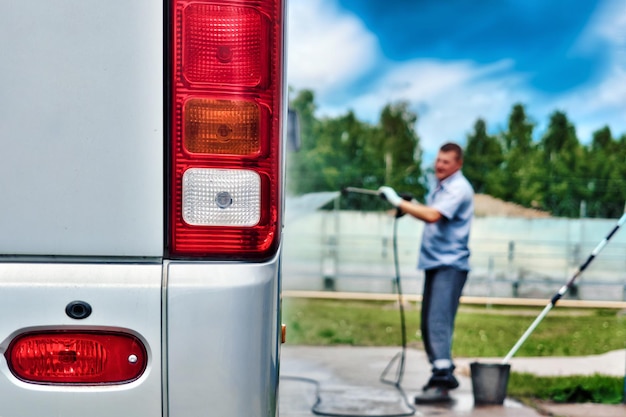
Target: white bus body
88 108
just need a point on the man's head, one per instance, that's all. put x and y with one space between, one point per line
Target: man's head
449 160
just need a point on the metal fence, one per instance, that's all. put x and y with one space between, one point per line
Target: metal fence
511 257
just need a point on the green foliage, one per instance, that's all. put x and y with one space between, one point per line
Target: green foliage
521 175
562 156
398 142
606 187
344 152
556 173
570 389
483 156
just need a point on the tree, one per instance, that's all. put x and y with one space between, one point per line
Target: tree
482 159
560 141
344 152
604 161
519 135
562 155
398 144
521 172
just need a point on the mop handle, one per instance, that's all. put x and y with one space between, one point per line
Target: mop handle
563 290
530 329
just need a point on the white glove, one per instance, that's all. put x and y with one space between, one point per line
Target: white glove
390 195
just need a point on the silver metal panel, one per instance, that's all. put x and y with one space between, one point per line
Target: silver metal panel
81 127
127 297
222 336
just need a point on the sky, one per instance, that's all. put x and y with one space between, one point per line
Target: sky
456 61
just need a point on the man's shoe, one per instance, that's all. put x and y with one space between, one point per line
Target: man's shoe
433 395
443 378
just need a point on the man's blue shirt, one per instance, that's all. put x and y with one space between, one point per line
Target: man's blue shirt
445 242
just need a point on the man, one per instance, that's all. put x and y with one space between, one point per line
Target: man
444 257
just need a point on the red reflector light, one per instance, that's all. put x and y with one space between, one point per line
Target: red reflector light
88 358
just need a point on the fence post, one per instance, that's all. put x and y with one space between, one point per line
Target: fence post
330 250
511 267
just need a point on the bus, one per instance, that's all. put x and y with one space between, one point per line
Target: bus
142 207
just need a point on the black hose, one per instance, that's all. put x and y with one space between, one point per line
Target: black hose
398 285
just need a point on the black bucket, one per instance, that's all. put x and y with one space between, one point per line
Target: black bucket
489 382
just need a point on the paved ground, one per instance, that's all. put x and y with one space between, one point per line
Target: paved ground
610 363
347 381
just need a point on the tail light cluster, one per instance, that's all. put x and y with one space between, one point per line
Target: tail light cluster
226 163
80 358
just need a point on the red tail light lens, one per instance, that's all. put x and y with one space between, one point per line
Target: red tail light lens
227 113
224 44
88 358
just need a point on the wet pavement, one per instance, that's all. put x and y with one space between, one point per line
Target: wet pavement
344 380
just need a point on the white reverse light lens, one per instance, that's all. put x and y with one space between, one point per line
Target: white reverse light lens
221 197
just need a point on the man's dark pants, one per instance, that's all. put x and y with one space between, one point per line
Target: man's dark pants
442 290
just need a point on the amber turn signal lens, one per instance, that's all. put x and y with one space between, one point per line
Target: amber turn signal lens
221 127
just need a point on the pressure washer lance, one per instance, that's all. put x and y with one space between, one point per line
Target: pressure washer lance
360 191
404 196
563 290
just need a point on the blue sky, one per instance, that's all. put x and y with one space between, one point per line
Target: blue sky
456 61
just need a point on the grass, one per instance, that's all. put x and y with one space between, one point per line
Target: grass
563 333
571 389
479 332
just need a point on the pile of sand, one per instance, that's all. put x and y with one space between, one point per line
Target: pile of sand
486 205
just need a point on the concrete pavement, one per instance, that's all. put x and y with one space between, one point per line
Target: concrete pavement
344 380
610 363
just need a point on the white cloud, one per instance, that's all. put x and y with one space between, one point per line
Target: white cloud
328 48
448 96
609 23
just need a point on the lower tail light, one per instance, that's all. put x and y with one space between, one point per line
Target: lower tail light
79 358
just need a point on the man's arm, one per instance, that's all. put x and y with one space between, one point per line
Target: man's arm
420 211
417 210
